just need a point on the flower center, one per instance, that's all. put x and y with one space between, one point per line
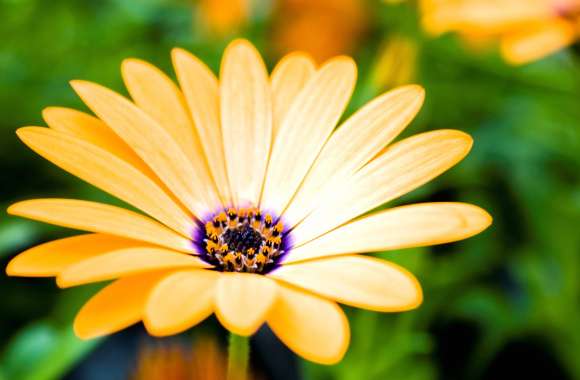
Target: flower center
242 240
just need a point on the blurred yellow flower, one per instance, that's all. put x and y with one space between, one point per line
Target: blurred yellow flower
172 361
224 17
527 30
251 204
323 28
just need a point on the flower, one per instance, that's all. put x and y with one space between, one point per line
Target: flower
323 28
251 203
527 30
171 360
224 16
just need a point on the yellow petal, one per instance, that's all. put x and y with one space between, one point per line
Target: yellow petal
123 263
489 16
400 227
115 307
152 143
396 63
358 281
312 327
94 131
355 143
287 80
49 259
306 127
246 115
107 172
99 217
537 41
201 90
156 94
401 168
159 97
180 301
243 300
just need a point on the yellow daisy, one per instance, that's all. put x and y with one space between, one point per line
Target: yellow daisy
171 361
323 28
224 17
527 30
251 204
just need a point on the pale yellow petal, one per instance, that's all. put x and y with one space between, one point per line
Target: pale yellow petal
358 281
243 301
287 80
102 169
312 327
125 262
180 301
117 306
354 144
201 90
400 227
306 127
92 130
49 259
99 217
157 95
538 40
152 143
401 168
246 119
482 17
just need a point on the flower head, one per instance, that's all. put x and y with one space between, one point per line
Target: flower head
323 28
526 29
171 360
250 202
224 17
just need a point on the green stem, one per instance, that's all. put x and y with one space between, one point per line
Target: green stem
238 357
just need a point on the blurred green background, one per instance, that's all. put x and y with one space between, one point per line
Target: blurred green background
503 304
